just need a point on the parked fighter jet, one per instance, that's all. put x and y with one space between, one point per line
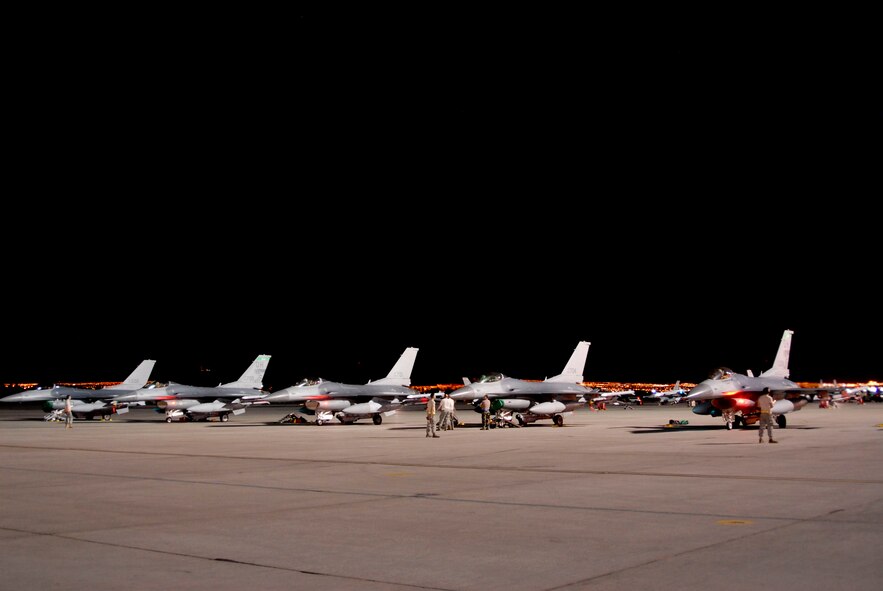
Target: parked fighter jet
728 389
198 403
350 402
672 396
136 380
612 396
531 401
856 391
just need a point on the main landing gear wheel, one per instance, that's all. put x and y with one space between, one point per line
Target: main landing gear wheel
168 419
320 422
377 419
225 418
558 420
780 421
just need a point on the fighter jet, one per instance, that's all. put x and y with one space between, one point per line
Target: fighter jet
728 389
612 396
198 403
350 402
136 380
857 391
672 396
531 401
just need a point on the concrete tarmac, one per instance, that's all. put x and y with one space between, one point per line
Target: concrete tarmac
611 500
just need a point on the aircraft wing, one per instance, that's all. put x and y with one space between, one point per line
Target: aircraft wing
419 398
607 396
782 392
217 407
97 409
807 392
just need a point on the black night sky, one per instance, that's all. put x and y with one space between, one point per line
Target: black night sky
489 188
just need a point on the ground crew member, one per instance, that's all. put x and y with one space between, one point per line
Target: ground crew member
68 414
765 403
485 406
446 408
430 416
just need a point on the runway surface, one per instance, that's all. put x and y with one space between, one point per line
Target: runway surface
611 500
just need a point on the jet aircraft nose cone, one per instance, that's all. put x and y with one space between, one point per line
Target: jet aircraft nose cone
31 396
699 392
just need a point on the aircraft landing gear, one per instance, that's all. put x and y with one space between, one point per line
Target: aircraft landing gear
324 416
780 421
377 419
558 420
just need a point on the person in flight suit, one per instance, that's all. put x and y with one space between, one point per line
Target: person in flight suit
765 403
430 416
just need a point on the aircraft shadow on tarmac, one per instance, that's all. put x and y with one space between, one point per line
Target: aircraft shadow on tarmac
673 429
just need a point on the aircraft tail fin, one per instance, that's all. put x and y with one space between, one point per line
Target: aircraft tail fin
466 381
400 374
253 376
780 364
137 378
573 371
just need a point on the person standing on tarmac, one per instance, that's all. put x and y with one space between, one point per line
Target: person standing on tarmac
765 403
446 406
485 406
430 416
68 414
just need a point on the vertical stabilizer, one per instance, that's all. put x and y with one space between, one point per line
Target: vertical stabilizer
138 378
573 371
400 374
253 376
780 365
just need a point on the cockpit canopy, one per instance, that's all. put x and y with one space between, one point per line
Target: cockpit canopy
721 373
308 382
490 378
